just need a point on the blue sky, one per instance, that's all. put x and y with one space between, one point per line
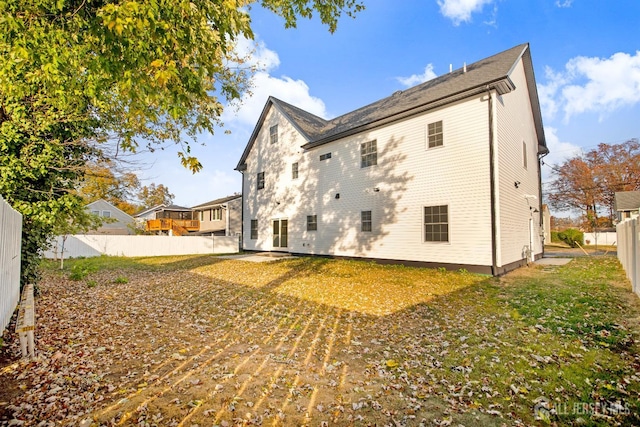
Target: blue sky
586 56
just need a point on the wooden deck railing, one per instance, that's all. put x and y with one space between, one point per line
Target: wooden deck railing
178 226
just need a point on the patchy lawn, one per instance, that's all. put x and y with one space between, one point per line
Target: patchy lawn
187 341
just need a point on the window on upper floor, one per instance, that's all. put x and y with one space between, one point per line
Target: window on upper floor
294 170
368 154
435 134
106 214
436 223
524 154
312 222
96 213
273 134
216 214
254 229
260 180
365 221
325 156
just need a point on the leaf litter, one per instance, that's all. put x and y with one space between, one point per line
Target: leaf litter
193 342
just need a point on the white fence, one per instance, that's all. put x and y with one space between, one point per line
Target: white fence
10 243
629 250
90 245
601 238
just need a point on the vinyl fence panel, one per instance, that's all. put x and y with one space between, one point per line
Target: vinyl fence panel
10 245
629 250
90 245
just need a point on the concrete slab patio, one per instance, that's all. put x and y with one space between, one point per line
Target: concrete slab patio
553 261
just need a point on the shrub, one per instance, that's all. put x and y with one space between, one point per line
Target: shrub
572 237
121 279
554 237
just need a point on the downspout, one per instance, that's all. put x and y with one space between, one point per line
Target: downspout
226 231
242 202
494 226
540 200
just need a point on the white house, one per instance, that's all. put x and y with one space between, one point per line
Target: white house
446 173
120 222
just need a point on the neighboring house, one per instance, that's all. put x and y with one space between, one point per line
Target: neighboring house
546 224
220 217
446 173
627 204
120 223
171 219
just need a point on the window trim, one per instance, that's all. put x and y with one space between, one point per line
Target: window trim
260 180
364 221
273 134
366 156
312 222
108 214
295 171
424 225
219 214
253 234
435 134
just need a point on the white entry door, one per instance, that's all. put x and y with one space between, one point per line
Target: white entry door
280 233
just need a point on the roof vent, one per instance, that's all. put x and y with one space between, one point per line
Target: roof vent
398 92
450 68
464 68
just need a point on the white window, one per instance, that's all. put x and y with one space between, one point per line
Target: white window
254 229
106 214
294 170
216 214
325 156
435 134
312 222
365 221
273 134
260 180
436 223
368 154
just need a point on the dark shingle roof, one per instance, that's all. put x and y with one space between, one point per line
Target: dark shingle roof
217 201
627 200
489 73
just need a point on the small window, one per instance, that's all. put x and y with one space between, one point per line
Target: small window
312 222
368 154
106 214
365 218
436 223
325 156
260 180
216 214
254 229
435 134
524 154
96 213
294 171
273 134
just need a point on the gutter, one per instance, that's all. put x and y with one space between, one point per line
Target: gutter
492 183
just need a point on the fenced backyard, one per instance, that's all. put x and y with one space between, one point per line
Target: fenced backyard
10 244
90 245
629 250
201 340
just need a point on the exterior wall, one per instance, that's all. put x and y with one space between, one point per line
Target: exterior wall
408 177
230 212
123 222
207 224
235 217
10 246
131 246
628 238
515 206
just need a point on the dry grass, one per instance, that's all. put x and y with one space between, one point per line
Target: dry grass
187 341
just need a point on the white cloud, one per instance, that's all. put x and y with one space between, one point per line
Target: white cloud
460 10
592 85
559 151
565 3
264 84
416 79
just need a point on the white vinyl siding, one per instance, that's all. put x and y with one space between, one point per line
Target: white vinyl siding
515 132
407 178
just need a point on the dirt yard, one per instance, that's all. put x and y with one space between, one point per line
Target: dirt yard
199 341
